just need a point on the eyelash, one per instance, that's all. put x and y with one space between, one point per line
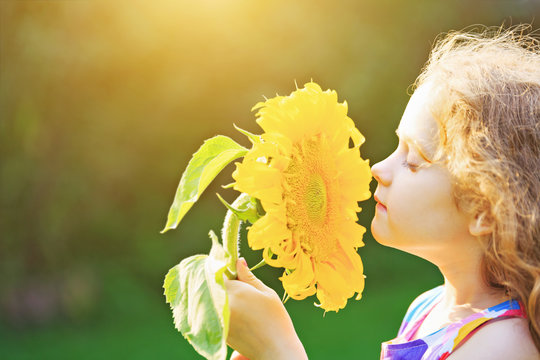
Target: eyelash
409 166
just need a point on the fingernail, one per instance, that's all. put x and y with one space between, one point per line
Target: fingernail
243 261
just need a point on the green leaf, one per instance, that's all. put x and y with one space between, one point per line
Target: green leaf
203 167
246 211
195 290
255 139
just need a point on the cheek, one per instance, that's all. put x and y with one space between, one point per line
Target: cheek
420 210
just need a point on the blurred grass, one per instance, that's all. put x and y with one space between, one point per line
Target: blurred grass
102 105
133 321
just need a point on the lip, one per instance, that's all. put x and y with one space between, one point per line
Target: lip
380 206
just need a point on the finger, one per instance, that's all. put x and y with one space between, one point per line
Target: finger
234 286
247 276
237 356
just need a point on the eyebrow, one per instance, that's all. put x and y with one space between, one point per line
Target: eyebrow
411 141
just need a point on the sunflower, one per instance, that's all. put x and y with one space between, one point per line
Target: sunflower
308 175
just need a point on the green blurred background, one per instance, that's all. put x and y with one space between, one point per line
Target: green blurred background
102 105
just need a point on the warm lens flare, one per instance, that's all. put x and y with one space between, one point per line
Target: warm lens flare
309 176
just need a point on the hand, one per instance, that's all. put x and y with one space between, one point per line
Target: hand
260 327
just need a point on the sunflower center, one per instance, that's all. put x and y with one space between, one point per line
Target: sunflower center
308 196
315 198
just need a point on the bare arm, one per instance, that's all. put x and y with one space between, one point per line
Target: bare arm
260 327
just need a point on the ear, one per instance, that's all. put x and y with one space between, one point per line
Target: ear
479 226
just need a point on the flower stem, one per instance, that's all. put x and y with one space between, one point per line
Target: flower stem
230 234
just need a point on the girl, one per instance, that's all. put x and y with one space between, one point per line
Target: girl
462 190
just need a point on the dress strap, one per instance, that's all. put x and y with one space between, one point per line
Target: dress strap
468 326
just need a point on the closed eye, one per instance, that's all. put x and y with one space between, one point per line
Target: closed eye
409 166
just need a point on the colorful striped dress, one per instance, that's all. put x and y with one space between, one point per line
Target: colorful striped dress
440 344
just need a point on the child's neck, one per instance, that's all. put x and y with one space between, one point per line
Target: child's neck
465 293
464 287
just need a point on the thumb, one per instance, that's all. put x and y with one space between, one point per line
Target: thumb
245 275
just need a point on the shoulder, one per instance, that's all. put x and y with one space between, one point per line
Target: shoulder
419 306
424 300
502 339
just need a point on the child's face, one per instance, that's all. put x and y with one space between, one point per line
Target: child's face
415 211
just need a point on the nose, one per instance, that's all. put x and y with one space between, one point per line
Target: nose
381 172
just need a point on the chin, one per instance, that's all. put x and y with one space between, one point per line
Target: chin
379 235
382 234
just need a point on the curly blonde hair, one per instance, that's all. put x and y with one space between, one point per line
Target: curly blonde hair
487 104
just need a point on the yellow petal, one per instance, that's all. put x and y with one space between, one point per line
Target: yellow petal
329 301
266 231
301 282
351 235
